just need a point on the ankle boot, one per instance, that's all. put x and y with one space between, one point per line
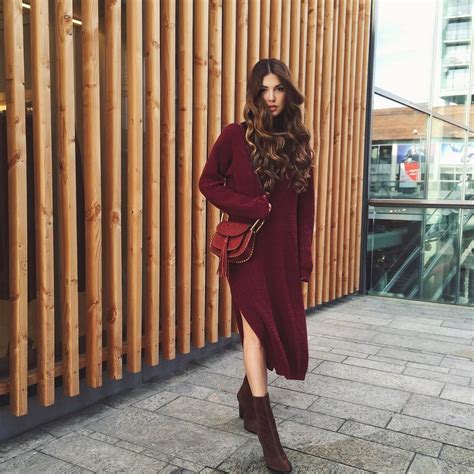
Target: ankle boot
275 457
246 410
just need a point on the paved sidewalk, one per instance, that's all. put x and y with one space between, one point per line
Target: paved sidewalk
390 389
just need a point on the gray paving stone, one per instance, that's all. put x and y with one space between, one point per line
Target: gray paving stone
428 465
203 378
354 318
388 360
351 411
348 390
199 411
345 352
196 443
319 420
249 459
130 446
453 454
35 462
458 393
431 330
458 363
377 377
225 364
373 364
101 456
329 319
156 401
468 325
429 345
432 430
188 389
289 397
341 448
409 355
81 419
334 343
125 399
100 437
391 438
23 443
223 398
444 411
326 355
434 368
434 375
336 330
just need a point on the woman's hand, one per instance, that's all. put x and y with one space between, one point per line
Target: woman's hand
269 203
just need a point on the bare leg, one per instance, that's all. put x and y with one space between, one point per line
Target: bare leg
254 361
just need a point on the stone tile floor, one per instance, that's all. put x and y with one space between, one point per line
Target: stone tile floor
390 388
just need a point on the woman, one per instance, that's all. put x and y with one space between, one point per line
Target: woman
262 169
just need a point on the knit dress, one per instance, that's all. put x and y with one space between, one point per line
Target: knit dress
266 290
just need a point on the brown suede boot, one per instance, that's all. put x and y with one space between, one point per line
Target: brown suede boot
246 410
275 457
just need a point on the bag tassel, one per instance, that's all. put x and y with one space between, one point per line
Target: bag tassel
223 263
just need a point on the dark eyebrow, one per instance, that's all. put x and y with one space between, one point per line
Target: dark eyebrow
275 86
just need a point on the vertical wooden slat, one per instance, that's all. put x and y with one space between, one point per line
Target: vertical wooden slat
185 128
228 112
343 162
67 197
360 171
285 31
92 191
113 190
151 301
213 130
337 157
330 189
324 148
18 257
275 29
241 58
264 28
43 198
134 185
199 242
317 137
309 88
294 63
302 49
168 162
358 35
254 33
356 142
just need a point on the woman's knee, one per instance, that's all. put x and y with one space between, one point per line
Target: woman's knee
251 340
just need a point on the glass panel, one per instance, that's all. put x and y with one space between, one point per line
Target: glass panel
466 280
393 251
453 60
397 165
441 255
400 67
446 162
469 196
398 264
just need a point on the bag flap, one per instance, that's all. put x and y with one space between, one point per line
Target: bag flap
232 229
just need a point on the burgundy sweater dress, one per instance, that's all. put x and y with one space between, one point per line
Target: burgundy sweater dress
266 290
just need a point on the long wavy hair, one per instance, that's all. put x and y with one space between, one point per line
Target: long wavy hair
279 145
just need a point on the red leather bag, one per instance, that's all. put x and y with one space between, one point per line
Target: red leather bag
233 242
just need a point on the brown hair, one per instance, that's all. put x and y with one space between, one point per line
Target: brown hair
279 145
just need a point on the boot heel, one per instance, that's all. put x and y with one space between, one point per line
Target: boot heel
241 411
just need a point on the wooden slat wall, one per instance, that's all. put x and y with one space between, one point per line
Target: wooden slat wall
181 302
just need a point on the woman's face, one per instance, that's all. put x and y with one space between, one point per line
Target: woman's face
273 93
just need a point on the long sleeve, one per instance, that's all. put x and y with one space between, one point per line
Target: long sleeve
212 183
305 222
